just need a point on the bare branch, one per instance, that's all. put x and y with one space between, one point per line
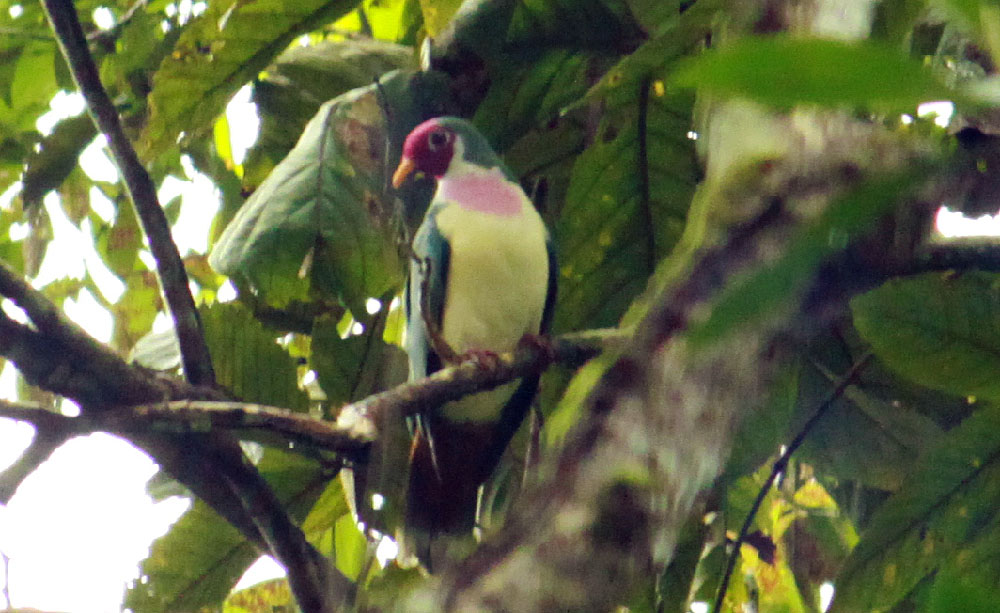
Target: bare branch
315 583
40 449
60 357
364 417
173 278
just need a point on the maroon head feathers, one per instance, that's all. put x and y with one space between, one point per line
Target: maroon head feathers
429 149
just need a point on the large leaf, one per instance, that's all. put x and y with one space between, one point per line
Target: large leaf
303 78
199 560
861 437
529 92
940 331
327 201
787 71
614 227
352 368
248 360
218 52
950 504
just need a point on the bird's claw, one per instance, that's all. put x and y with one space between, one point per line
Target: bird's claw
542 345
482 358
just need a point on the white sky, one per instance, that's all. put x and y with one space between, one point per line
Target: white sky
78 527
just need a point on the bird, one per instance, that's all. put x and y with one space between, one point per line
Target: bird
482 279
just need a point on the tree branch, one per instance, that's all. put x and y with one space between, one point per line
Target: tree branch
315 583
170 268
60 357
42 445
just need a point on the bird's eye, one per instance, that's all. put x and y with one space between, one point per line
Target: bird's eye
437 139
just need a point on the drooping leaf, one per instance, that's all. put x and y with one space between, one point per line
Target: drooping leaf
784 71
938 331
303 78
329 507
327 201
34 81
582 24
437 14
765 429
350 547
675 38
528 92
218 52
193 566
950 504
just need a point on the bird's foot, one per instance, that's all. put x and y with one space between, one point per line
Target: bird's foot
482 358
542 345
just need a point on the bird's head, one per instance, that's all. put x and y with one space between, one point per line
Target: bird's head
428 149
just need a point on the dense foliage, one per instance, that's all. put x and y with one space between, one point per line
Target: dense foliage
655 136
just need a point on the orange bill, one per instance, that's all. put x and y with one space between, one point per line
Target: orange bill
406 167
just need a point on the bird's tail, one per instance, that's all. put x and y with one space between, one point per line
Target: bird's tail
446 470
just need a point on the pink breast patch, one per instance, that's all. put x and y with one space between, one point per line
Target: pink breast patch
487 193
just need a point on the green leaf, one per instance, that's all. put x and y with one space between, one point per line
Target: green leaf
581 24
217 53
437 14
529 92
939 331
352 368
350 546
331 506
611 232
764 429
194 565
273 596
783 72
674 585
248 360
677 37
958 589
303 78
862 438
34 81
950 504
48 167
198 561
326 204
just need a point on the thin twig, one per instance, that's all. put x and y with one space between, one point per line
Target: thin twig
779 467
42 445
173 278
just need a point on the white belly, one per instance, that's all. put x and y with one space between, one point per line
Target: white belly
497 285
497 278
